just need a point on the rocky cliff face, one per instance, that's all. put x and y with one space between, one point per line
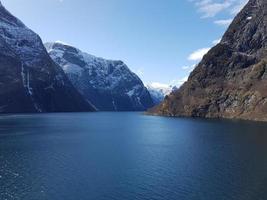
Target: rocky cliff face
29 80
231 80
108 84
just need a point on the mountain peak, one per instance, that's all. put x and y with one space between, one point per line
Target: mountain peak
231 79
109 84
7 18
62 43
247 31
58 44
30 81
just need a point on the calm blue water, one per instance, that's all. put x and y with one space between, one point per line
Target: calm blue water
129 156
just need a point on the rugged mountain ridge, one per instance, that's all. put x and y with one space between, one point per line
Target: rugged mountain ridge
108 84
29 80
159 91
231 80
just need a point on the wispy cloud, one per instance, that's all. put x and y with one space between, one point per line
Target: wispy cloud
159 85
211 8
198 54
223 22
168 87
188 67
179 82
238 6
214 42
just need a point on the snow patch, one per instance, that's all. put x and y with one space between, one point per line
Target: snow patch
72 69
63 43
25 74
88 71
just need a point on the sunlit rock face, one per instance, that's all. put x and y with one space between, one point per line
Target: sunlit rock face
231 80
29 80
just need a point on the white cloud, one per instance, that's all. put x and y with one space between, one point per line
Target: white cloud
214 42
198 54
211 8
159 85
63 43
188 67
178 83
223 22
239 5
195 56
167 88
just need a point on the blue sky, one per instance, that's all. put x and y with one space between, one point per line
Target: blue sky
160 40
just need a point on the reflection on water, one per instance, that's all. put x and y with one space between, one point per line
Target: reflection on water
130 156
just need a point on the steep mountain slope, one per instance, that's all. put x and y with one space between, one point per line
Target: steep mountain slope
29 80
159 91
109 85
231 80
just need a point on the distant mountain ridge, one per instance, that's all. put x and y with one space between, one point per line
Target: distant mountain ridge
231 80
108 84
159 91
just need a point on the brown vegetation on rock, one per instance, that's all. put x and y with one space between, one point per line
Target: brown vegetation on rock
231 80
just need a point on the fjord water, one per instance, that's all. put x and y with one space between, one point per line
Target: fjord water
104 156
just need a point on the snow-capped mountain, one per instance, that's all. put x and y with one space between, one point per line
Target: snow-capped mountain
108 84
159 91
29 80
